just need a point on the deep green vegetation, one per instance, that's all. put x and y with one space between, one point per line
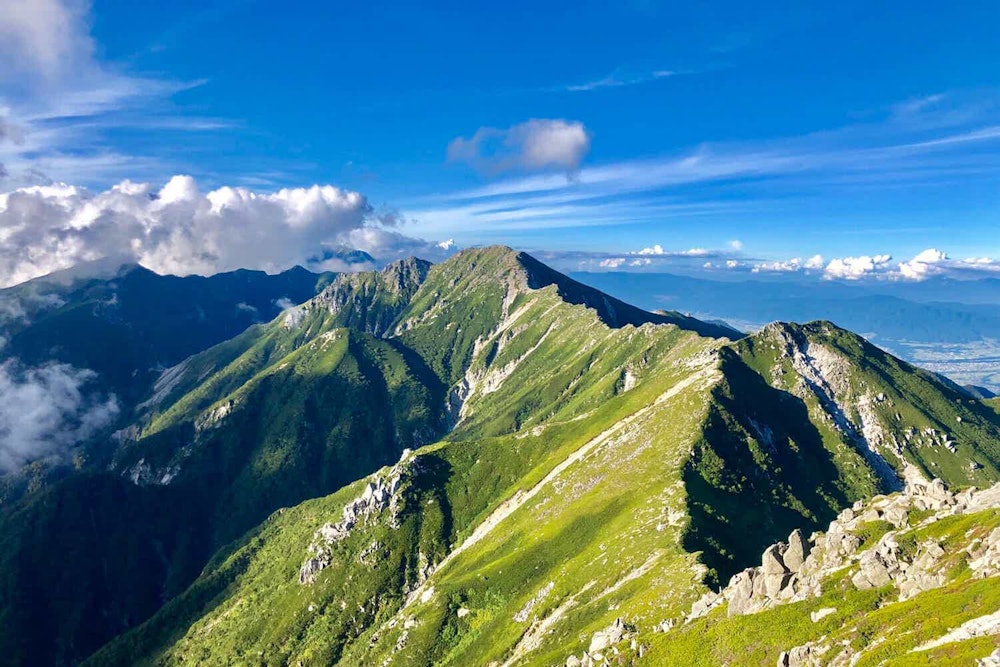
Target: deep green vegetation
130 323
576 460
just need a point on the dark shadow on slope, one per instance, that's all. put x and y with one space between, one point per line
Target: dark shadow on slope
372 592
293 437
761 470
430 381
88 558
613 312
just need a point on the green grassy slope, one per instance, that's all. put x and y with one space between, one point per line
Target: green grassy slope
592 472
312 407
875 624
533 396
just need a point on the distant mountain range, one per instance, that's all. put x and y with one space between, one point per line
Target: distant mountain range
951 326
482 462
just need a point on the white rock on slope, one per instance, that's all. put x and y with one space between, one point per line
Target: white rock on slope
379 493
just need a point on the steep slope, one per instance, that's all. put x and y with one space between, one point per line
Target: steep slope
315 413
129 320
294 409
544 382
810 417
912 578
592 473
118 326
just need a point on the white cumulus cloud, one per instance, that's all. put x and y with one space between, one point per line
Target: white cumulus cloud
924 264
658 251
792 265
854 268
815 262
180 229
43 37
535 145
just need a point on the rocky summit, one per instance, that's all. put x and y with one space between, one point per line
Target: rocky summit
485 462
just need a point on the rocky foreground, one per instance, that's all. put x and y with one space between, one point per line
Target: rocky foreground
885 543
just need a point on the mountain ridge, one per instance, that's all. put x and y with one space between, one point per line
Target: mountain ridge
640 397
478 435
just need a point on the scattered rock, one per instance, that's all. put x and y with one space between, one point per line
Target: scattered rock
525 612
379 494
771 562
608 637
819 614
992 660
794 570
984 626
797 551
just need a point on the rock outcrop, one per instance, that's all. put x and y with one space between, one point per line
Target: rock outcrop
379 494
795 570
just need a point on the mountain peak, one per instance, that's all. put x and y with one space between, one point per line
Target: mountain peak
524 272
404 274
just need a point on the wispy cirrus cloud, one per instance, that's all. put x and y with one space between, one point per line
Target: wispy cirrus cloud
934 141
59 101
619 78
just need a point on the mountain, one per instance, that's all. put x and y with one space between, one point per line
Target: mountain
476 462
124 320
880 310
102 333
949 325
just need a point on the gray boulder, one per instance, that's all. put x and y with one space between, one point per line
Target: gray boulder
797 552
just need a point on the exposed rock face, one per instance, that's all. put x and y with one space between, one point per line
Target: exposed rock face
379 494
372 304
776 579
825 374
794 570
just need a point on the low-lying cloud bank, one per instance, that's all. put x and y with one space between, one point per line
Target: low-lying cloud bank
732 260
926 264
181 230
47 410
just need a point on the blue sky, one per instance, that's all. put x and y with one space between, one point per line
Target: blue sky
838 129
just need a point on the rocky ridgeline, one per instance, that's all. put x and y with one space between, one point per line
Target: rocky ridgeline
795 570
380 493
373 301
